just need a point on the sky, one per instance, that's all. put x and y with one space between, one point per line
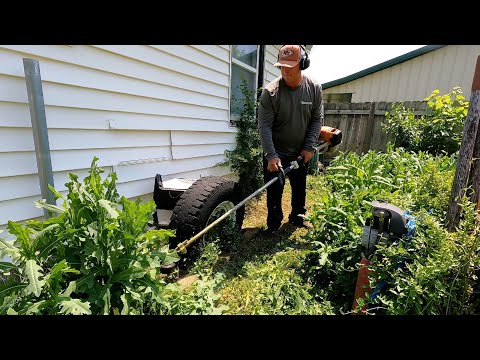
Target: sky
332 62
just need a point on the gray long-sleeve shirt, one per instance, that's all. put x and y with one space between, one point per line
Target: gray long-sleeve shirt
290 120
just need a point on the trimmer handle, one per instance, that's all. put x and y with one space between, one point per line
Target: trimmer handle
293 165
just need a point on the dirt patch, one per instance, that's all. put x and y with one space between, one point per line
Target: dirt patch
186 282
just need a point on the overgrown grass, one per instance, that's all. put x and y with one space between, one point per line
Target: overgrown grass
263 273
296 271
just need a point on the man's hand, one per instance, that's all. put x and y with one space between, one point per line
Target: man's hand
307 155
274 164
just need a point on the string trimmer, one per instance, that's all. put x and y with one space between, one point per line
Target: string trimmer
329 139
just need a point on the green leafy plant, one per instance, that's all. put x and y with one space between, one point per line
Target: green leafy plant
438 274
95 257
439 131
246 159
204 265
412 181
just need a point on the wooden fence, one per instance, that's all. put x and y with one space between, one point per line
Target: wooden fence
360 123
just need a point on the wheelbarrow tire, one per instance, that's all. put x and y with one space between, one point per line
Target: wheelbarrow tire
195 206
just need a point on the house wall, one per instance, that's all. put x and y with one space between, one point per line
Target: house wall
415 79
271 72
143 110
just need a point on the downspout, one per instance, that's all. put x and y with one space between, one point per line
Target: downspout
39 128
261 68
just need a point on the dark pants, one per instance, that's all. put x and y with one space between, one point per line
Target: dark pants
298 183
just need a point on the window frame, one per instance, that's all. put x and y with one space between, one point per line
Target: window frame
242 65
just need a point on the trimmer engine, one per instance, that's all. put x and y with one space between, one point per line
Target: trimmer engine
329 139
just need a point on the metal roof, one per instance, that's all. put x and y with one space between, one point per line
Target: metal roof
383 65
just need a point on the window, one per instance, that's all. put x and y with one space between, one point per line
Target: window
244 64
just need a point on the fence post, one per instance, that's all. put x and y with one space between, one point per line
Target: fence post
469 144
367 139
474 179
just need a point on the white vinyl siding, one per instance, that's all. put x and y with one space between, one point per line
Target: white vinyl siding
415 79
143 110
271 72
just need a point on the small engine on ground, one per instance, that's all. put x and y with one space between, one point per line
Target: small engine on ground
388 224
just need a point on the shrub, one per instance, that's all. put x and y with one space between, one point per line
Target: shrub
246 159
437 132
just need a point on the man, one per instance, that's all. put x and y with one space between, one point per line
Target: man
290 116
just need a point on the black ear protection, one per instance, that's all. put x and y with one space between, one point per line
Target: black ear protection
304 61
